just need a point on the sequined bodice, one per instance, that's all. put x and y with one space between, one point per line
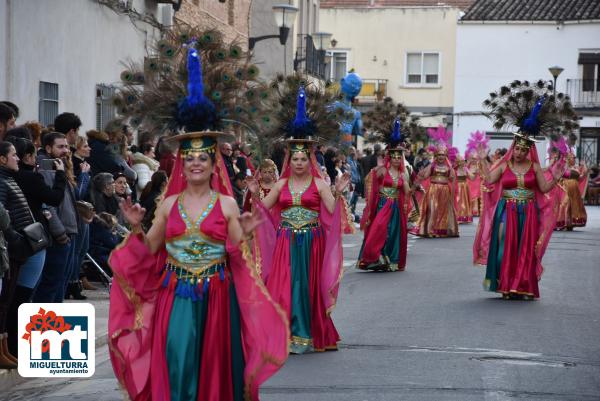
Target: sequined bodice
440 171
391 185
196 244
518 187
302 208
514 180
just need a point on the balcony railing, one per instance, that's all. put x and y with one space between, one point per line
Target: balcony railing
584 93
308 58
373 90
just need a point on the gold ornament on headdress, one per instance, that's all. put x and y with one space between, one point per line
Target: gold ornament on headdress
300 145
395 153
195 143
523 140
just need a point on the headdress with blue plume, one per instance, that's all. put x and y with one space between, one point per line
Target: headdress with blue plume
380 120
195 112
301 110
396 136
195 79
534 108
301 127
531 125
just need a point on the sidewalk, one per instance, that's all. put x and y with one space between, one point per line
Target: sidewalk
99 299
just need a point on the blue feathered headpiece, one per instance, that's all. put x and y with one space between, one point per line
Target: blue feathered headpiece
196 112
302 126
531 124
396 137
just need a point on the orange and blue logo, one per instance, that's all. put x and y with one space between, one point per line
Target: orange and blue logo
56 340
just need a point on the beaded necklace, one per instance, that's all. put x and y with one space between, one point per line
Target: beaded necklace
297 195
194 224
394 179
520 176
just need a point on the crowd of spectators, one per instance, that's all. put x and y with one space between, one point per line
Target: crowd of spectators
59 207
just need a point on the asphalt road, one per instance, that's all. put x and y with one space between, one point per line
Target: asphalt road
432 334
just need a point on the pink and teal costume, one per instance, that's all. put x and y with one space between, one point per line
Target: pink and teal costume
193 321
514 230
304 270
384 223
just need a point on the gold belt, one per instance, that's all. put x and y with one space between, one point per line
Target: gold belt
391 193
191 272
439 180
299 224
518 195
298 229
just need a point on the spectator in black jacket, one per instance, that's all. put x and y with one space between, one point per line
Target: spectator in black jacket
227 154
14 201
103 158
38 194
102 194
81 154
330 160
103 239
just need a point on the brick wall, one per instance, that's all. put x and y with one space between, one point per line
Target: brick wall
230 17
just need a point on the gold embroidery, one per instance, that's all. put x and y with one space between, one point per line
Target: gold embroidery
520 176
266 358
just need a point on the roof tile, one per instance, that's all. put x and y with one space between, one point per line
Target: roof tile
462 4
533 10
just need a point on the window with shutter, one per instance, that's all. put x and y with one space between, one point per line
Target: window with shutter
48 103
105 109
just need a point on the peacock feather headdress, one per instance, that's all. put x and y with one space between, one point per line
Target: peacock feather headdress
533 109
193 80
380 121
300 110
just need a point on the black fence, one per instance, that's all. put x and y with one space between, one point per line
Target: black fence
308 58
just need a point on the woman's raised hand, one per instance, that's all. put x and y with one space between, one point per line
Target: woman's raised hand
133 213
248 222
481 152
342 182
558 168
252 184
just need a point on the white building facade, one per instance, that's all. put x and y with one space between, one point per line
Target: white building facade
492 53
66 56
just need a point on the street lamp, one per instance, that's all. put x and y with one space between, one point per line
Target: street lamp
321 39
555 71
285 15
